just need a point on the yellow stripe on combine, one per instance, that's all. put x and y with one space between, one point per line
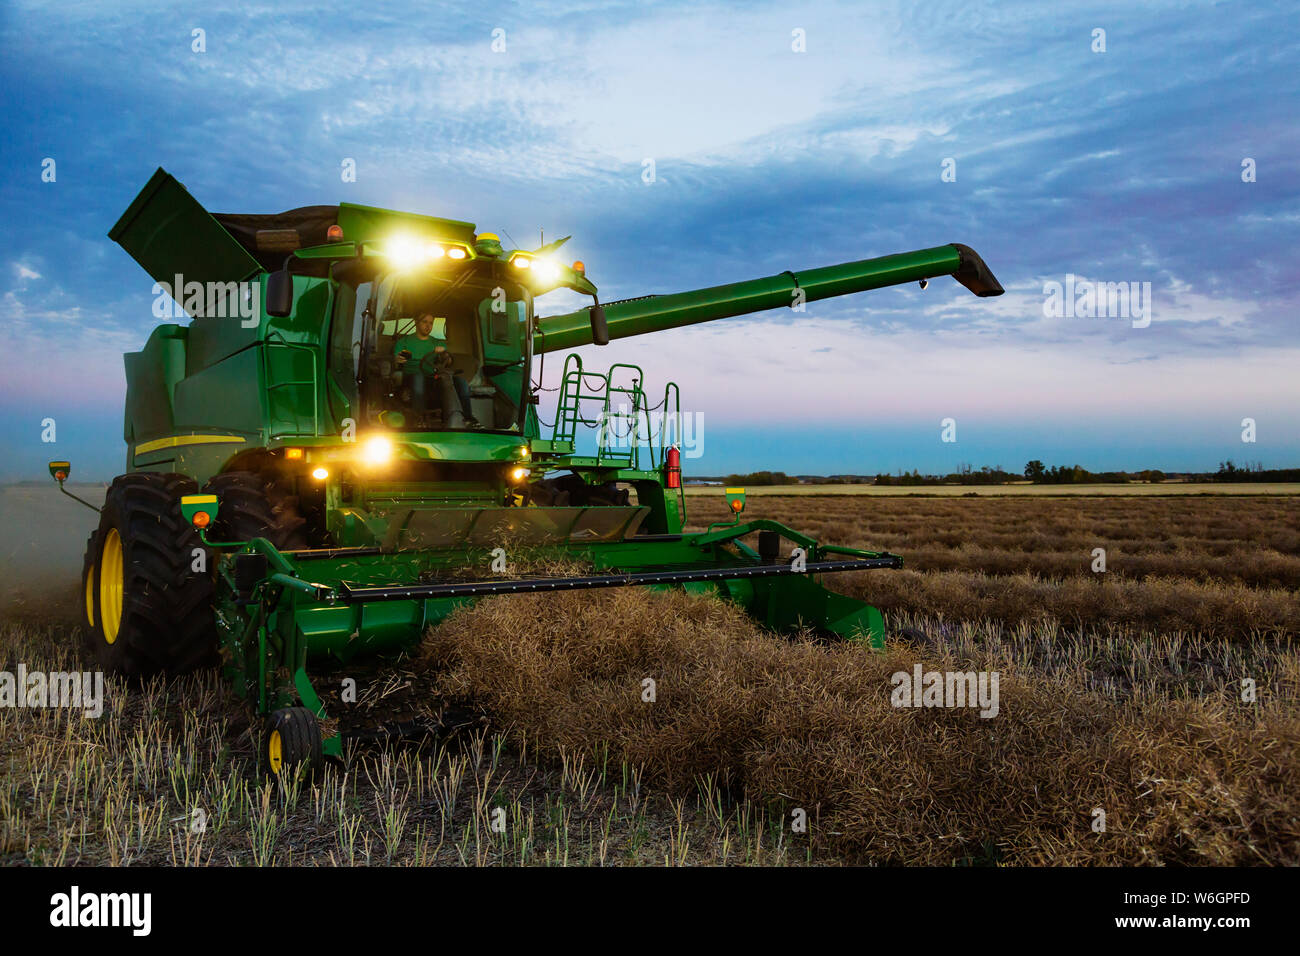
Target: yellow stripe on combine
177 440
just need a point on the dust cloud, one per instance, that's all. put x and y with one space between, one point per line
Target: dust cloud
42 542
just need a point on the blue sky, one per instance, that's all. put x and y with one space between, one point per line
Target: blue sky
1123 165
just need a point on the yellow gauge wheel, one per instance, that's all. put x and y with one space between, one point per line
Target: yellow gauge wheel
274 753
292 743
111 585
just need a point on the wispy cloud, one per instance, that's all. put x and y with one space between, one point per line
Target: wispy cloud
1118 166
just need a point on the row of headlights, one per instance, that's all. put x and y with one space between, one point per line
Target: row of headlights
406 252
378 450
545 269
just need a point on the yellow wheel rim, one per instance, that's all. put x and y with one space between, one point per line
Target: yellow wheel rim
90 596
273 752
111 586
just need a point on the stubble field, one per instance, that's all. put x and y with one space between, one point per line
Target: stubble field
1123 691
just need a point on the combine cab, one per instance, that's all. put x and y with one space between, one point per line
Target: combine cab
342 446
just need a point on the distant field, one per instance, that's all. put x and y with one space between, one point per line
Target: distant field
1227 567
1165 488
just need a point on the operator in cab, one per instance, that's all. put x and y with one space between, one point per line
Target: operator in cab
423 357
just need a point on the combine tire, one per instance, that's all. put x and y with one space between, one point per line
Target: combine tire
148 611
292 743
88 602
251 506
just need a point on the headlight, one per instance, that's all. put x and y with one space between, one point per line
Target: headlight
377 450
320 474
404 251
518 474
547 270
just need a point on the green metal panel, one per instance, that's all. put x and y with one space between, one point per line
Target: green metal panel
213 339
202 462
151 378
294 351
657 313
502 332
169 233
224 396
370 223
464 446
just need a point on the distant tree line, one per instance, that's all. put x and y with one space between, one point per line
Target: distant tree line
1036 471
965 475
1257 472
1040 474
762 478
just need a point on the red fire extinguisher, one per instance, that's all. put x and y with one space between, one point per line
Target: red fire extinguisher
673 468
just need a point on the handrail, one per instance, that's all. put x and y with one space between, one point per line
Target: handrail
314 383
637 396
671 389
578 385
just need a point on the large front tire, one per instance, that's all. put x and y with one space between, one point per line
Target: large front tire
149 611
88 600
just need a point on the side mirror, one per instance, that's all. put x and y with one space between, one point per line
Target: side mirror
59 471
279 293
599 327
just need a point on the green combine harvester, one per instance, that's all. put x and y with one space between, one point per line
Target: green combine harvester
343 446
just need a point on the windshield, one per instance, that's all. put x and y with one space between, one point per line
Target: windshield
430 353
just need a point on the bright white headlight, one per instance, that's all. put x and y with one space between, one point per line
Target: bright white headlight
377 450
403 251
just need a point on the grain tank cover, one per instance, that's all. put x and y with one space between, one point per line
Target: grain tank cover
169 233
270 238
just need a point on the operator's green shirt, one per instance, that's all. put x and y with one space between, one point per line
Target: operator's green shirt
419 349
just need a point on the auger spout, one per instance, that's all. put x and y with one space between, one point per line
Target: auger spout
659 312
